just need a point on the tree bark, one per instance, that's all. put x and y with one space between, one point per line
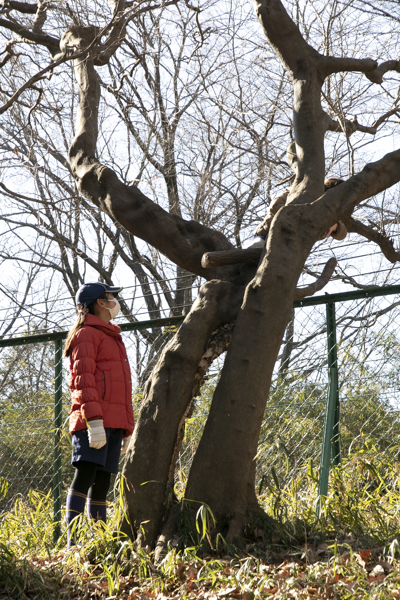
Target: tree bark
288 347
167 395
223 470
231 257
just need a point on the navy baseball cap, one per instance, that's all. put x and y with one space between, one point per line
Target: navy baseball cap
88 292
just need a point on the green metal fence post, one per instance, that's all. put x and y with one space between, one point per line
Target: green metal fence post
331 440
334 380
57 438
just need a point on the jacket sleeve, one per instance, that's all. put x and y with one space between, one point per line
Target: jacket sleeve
83 384
340 232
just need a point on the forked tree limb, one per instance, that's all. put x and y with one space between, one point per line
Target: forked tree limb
166 399
286 38
376 76
308 69
384 243
321 282
284 35
394 111
40 17
339 202
253 255
350 126
30 82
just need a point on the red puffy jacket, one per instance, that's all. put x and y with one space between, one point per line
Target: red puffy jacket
100 382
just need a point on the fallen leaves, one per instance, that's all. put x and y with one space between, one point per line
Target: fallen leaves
349 572
365 554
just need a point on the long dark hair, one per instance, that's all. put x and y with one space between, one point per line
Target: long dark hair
81 311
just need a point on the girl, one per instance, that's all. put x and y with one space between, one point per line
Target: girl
101 417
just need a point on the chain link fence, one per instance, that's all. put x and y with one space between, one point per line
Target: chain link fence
335 389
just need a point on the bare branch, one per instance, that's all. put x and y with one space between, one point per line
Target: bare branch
376 10
345 278
21 304
323 279
117 28
9 53
90 35
340 201
22 7
387 115
40 17
377 75
28 84
184 242
332 64
385 243
51 43
31 200
350 126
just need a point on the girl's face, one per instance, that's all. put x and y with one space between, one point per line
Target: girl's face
104 305
110 297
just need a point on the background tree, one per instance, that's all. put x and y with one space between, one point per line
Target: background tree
258 296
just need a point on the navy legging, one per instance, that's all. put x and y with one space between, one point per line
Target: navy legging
90 480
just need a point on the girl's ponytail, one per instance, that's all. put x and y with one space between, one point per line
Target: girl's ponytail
82 310
79 323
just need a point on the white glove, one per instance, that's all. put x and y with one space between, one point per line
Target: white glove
125 444
97 434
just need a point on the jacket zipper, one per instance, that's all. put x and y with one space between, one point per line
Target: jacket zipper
105 385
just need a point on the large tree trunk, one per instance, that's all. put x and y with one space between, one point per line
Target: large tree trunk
223 470
167 395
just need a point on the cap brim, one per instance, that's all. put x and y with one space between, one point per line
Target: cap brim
115 289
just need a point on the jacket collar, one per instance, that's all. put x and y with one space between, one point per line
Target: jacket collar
108 328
